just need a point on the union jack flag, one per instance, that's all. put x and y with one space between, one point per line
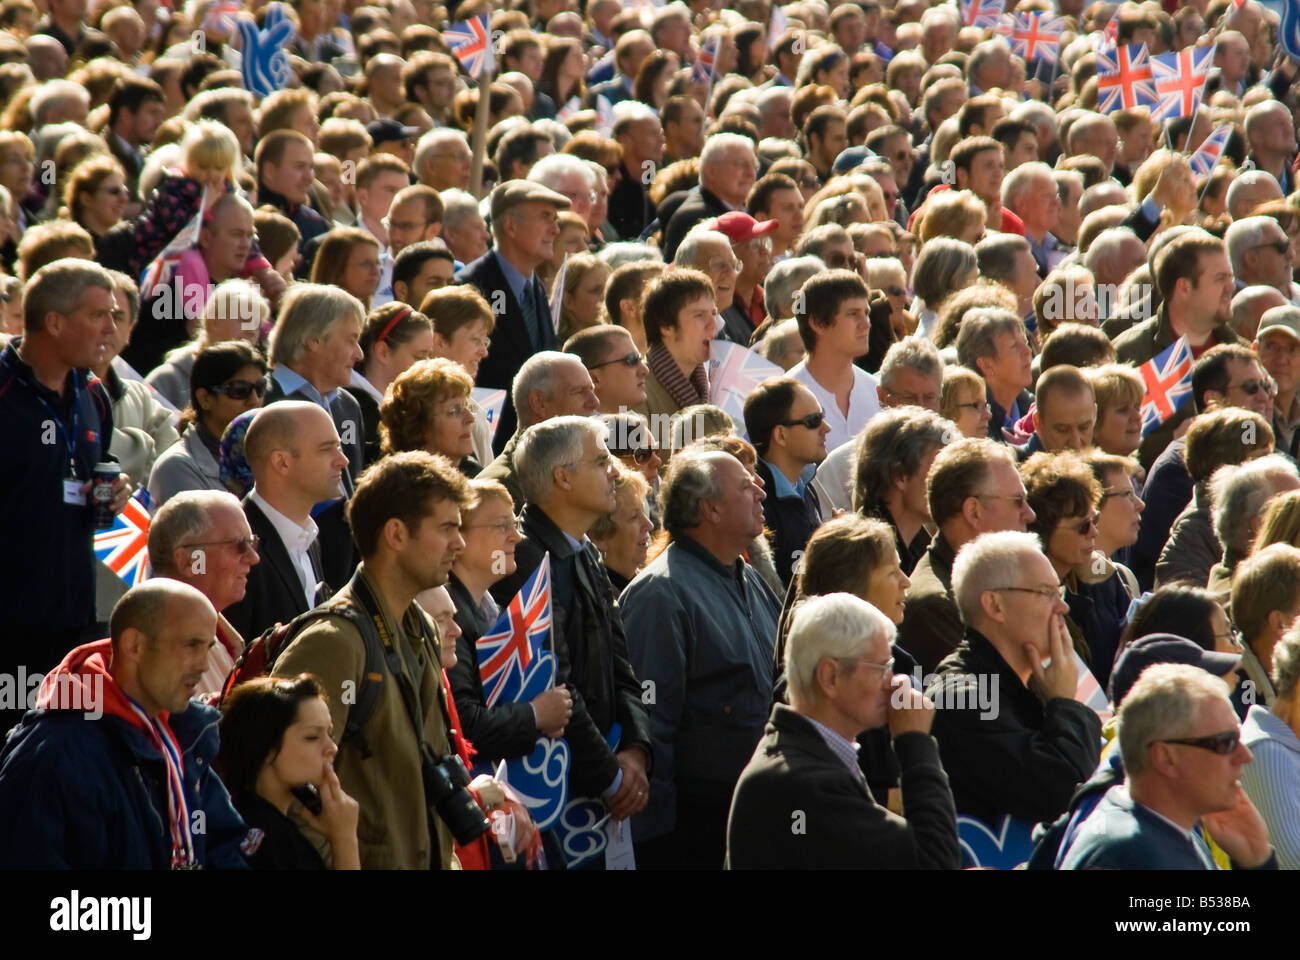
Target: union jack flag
471 43
515 643
123 547
1124 78
1204 159
705 60
981 13
159 272
1179 79
1168 379
1035 35
222 16
734 372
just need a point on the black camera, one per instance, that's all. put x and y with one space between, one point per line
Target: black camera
445 787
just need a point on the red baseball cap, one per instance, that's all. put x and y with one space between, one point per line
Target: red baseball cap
740 226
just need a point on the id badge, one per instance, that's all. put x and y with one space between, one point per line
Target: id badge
72 493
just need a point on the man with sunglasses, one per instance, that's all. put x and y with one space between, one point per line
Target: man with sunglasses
1183 756
202 537
1013 739
788 429
618 370
1260 252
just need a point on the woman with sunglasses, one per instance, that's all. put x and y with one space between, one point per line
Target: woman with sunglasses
428 408
96 196
1064 496
506 730
228 379
393 338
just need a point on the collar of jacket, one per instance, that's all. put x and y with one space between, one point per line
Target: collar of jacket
942 556
539 527
266 195
735 572
982 657
1164 335
410 626
1096 569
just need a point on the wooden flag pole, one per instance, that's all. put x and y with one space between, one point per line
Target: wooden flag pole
478 144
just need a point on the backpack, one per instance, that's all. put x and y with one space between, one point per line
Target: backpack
259 658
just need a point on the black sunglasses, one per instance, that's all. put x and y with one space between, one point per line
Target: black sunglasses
240 389
629 360
812 421
641 455
1220 743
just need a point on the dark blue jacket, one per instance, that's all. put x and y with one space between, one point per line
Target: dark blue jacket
1167 493
792 520
1099 609
85 794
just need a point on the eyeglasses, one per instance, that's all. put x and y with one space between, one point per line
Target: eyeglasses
979 406
895 291
1252 387
812 421
718 265
1047 593
240 389
248 544
601 462
1233 637
839 261
1277 246
1017 500
1087 526
758 244
914 399
502 527
1130 493
628 360
1221 743
641 455
887 666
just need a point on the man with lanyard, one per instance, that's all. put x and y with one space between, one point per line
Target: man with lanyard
55 422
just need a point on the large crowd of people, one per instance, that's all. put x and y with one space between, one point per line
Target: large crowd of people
421 373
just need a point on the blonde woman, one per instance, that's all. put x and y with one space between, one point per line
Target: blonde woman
953 213
582 304
1119 390
964 401
1281 522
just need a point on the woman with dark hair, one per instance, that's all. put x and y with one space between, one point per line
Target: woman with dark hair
275 741
393 338
563 72
855 554
751 52
1186 611
228 379
348 257
653 78
96 196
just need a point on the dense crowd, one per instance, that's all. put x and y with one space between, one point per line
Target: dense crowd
810 436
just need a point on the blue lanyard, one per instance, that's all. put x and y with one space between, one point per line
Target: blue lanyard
69 436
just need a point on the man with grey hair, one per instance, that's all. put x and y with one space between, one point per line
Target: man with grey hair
841 684
1009 259
701 632
1240 496
549 384
59 101
464 230
1260 253
1095 135
728 169
567 175
639 132
313 348
1029 191
911 375
443 159
56 420
1183 758
525 224
1249 189
567 476
993 343
201 537
783 282
1270 139
1113 255
1011 749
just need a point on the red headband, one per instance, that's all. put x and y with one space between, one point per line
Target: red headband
398 318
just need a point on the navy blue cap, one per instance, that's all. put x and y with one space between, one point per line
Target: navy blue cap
1164 648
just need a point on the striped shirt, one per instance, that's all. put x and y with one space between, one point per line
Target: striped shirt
846 750
1272 780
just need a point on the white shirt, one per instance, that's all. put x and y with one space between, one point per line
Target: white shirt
361 383
297 540
834 480
863 403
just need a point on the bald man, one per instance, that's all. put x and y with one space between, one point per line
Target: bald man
94 750
294 453
1065 413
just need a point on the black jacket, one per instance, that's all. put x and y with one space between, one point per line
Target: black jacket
370 426
630 209
310 224
1013 755
274 591
589 643
47 568
791 520
793 769
510 343
698 206
338 553
501 732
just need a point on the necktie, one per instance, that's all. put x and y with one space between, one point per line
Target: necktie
535 315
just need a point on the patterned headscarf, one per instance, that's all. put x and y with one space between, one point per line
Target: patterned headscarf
235 472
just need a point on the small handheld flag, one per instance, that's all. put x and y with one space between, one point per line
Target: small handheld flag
1179 80
1204 159
471 43
1124 78
1168 380
705 61
124 547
